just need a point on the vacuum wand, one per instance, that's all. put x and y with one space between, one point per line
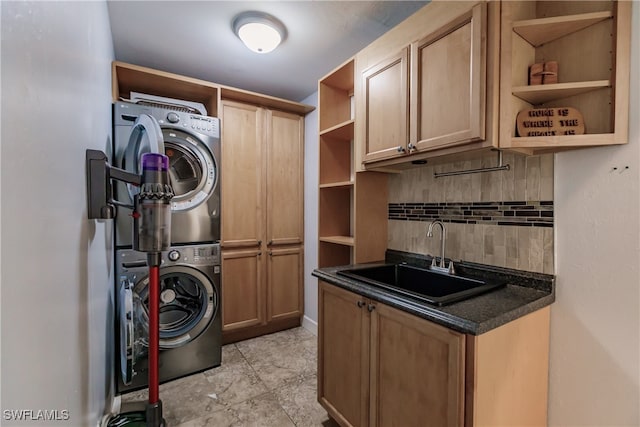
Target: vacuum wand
152 234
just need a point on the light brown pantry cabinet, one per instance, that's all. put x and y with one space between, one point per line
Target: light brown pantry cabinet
262 226
379 366
431 94
591 43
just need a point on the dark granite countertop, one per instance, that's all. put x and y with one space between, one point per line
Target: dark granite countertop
524 293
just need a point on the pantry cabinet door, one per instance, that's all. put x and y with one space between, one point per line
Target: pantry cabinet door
285 178
242 289
243 185
284 283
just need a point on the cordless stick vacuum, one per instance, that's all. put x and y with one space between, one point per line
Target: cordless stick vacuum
152 235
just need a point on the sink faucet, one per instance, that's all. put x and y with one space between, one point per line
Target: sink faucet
443 236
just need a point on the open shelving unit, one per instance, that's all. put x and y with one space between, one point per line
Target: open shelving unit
352 206
335 228
590 41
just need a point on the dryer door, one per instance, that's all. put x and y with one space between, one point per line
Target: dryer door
188 303
192 169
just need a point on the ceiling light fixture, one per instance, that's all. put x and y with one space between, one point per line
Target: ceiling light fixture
259 31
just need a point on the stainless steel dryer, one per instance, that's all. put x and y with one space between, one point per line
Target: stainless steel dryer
192 143
190 314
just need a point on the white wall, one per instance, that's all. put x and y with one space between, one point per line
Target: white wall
311 150
595 324
55 272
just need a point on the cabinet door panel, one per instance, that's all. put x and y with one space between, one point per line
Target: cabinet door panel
417 371
285 180
448 80
386 90
243 186
343 368
284 283
242 289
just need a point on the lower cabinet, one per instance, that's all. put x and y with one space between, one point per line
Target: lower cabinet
262 291
379 366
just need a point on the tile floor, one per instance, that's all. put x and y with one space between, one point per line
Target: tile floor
269 381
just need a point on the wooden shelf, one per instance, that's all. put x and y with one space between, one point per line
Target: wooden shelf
341 184
267 101
543 30
539 94
551 142
341 77
342 131
129 77
339 240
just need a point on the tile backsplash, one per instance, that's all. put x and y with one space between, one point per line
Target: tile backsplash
499 218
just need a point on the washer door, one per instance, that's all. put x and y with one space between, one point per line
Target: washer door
188 303
192 169
134 323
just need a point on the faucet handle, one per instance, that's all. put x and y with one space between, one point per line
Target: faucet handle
451 269
434 263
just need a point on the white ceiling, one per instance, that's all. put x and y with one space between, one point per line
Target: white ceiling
195 38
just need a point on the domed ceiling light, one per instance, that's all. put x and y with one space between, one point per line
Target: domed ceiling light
259 31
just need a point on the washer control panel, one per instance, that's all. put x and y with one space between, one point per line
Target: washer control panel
130 261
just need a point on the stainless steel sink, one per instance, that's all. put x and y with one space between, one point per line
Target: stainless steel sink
426 285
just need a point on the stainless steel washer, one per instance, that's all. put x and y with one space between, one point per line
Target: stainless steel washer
192 143
190 314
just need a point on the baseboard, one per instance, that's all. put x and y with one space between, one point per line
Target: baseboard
310 325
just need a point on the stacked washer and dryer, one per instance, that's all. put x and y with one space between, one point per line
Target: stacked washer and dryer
190 305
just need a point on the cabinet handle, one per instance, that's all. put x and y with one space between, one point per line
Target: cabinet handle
270 243
360 304
259 242
411 147
260 253
401 149
371 307
270 253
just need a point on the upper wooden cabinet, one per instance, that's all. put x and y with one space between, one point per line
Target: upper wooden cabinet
590 42
437 91
453 77
448 78
386 99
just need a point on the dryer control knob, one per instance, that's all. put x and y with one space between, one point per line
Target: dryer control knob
173 118
174 255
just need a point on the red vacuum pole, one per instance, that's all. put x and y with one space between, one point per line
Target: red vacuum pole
154 333
152 234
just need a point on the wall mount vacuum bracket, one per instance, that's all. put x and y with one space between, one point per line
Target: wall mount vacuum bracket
100 201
